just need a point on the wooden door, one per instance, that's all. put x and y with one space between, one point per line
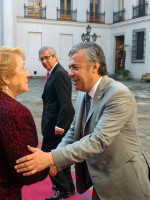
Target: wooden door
119 51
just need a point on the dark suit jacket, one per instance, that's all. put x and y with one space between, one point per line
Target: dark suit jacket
57 105
17 130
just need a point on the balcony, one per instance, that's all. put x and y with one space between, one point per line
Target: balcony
119 16
67 15
95 17
140 10
35 12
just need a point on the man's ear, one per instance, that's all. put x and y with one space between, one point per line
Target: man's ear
55 56
96 66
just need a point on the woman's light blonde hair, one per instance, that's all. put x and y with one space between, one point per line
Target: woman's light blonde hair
8 61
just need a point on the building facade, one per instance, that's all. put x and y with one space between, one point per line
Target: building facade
120 25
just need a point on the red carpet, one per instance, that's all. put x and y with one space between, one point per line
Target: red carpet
42 189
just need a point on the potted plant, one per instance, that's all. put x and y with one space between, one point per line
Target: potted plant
123 74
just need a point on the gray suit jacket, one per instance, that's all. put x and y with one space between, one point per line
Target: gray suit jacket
110 145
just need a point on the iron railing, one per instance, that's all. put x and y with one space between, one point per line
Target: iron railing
140 10
119 16
67 15
95 17
35 12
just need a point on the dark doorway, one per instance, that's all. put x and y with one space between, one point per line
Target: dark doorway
119 52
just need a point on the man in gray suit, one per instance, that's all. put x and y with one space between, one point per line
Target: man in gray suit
104 146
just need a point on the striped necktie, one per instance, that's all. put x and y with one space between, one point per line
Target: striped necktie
47 75
87 104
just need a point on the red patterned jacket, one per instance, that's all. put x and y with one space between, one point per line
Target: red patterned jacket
17 129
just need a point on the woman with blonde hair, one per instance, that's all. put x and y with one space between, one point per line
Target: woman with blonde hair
17 127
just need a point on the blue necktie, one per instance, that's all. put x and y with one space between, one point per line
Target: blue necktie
87 104
87 177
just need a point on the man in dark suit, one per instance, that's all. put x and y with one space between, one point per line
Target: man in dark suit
57 116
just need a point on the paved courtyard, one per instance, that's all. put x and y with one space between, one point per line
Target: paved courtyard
141 91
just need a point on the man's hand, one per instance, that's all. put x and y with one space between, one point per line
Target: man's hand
59 131
35 162
53 171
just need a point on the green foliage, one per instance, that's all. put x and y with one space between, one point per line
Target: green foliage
121 48
123 72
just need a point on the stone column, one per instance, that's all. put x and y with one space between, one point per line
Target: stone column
8 23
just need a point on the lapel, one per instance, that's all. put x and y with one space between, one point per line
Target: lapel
79 113
52 75
80 106
98 95
49 80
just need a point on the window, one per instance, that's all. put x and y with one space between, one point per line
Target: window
34 8
65 9
121 10
141 8
120 5
66 4
138 49
95 7
141 1
34 3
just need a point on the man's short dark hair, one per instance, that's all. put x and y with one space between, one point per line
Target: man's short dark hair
94 53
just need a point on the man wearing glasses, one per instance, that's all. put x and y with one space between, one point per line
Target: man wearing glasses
57 116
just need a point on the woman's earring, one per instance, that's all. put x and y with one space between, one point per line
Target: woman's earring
6 87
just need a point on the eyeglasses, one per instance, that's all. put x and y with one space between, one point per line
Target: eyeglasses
45 57
22 69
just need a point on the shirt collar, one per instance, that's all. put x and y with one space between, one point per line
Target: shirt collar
50 71
94 88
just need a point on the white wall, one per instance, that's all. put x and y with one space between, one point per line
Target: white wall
20 7
31 34
128 5
9 18
56 34
109 7
51 9
81 9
